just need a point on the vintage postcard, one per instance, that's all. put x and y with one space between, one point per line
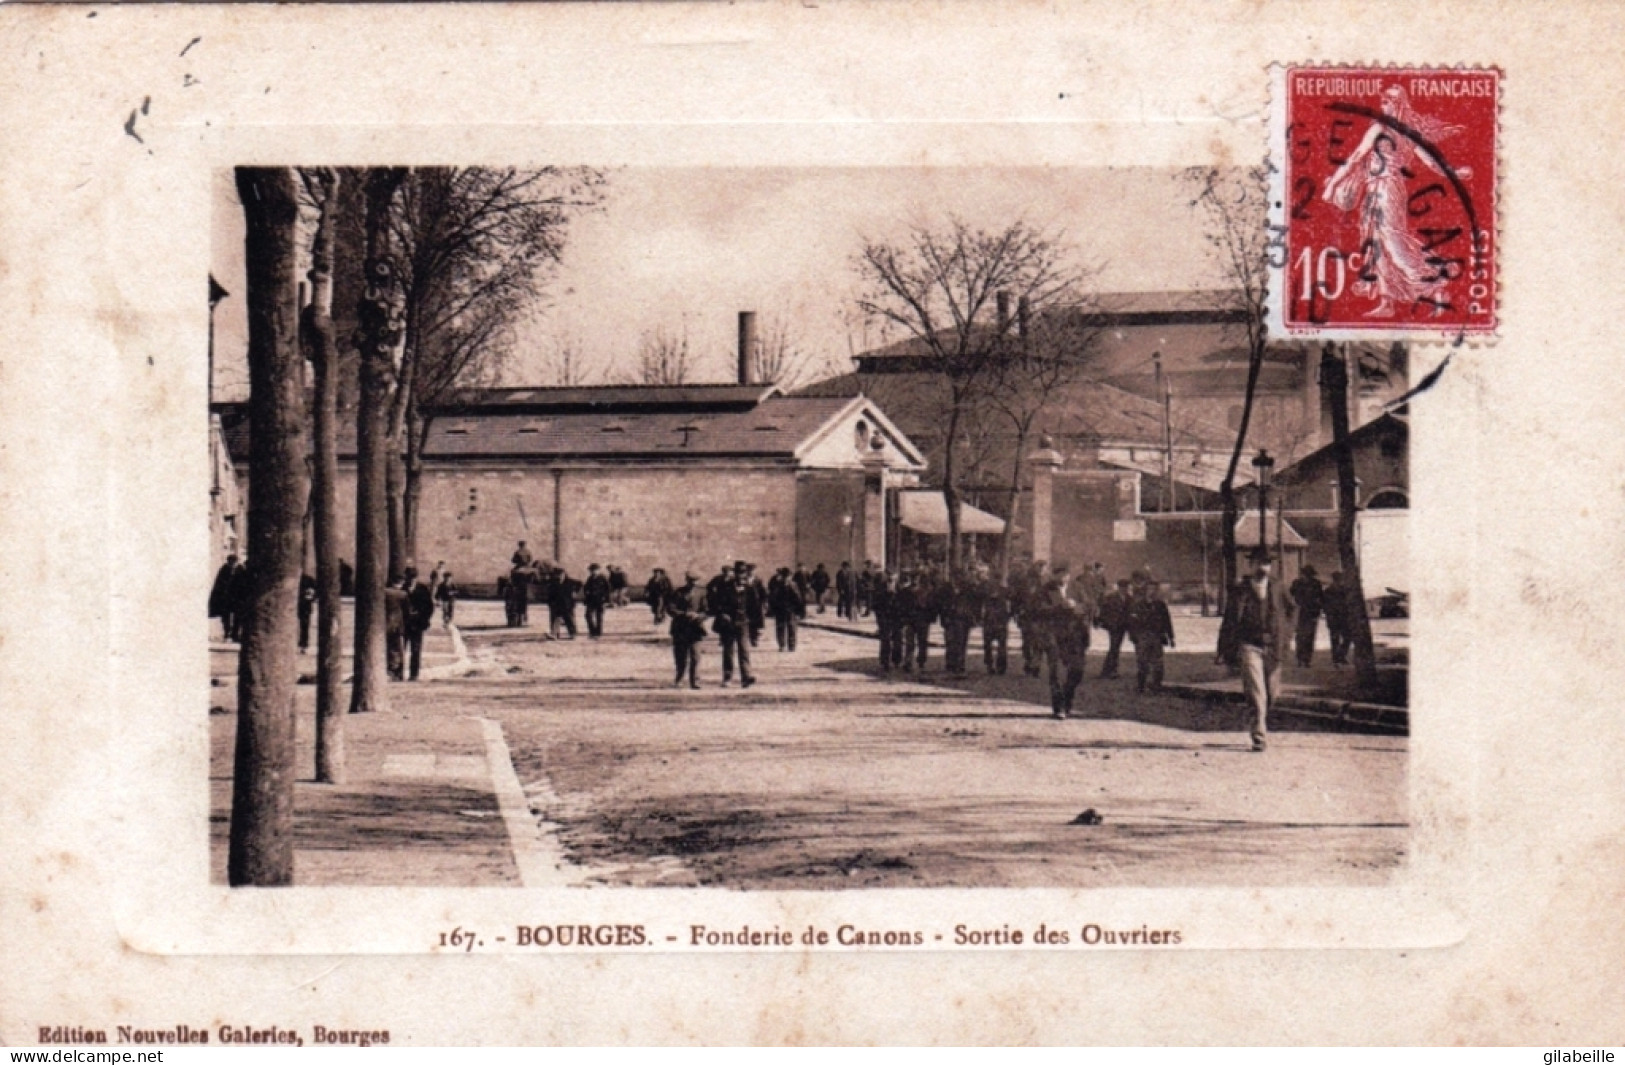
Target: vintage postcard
836 510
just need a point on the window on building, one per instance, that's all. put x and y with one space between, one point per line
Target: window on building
1389 499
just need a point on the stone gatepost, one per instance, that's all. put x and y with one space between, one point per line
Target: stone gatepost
1042 465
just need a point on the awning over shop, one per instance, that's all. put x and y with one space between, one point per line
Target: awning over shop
1247 533
927 512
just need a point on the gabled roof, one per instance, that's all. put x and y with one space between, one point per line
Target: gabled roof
1394 421
609 398
776 427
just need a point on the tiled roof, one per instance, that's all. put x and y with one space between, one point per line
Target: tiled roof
774 428
613 397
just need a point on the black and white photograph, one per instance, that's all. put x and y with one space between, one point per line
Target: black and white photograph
772 528
768 523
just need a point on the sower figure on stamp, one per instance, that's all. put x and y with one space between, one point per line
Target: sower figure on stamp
1307 598
1114 617
687 628
1253 637
1152 629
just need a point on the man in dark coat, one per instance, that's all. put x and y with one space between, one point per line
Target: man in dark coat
595 593
1338 604
883 600
917 623
656 592
1114 618
1064 626
446 595
995 619
224 601
307 604
956 607
867 582
1253 638
561 603
755 604
1152 629
395 610
730 621
846 592
1308 597
819 584
685 605
784 602
1025 587
419 615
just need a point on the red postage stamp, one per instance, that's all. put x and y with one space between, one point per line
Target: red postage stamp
1383 202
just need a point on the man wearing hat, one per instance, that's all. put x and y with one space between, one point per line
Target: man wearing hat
595 593
1114 618
419 615
1253 638
687 628
1308 597
729 608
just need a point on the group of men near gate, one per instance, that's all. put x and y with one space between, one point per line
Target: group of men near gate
1053 610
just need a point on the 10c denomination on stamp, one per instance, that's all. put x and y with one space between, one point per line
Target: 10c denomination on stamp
1383 202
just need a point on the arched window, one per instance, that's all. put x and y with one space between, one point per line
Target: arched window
1388 499
860 435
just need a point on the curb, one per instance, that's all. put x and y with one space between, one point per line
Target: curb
1389 719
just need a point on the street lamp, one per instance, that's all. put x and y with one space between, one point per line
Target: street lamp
1263 464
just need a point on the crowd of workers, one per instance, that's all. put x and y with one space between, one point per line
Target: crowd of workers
1054 610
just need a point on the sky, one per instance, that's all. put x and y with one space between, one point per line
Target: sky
686 249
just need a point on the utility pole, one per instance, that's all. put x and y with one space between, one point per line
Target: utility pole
1334 379
1167 432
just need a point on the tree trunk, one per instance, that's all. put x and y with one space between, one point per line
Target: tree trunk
321 348
1007 539
417 431
379 333
400 404
261 847
950 489
1334 379
1227 487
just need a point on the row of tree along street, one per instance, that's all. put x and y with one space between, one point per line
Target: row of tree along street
414 281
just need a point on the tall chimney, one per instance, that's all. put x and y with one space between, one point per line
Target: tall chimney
1022 315
1003 304
747 347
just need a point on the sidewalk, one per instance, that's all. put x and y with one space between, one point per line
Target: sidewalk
423 800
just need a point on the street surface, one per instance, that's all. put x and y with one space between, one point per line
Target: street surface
825 775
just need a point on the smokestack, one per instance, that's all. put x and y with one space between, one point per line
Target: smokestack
747 347
1021 318
1003 298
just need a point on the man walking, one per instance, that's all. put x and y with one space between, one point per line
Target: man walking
1308 597
1338 604
395 611
819 583
883 601
784 602
1114 618
595 593
995 618
446 596
1253 638
846 592
730 620
1152 629
755 604
687 628
656 593
419 614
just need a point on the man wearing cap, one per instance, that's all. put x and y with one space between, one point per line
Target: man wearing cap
687 628
594 594
1114 618
419 614
729 611
1307 597
1253 638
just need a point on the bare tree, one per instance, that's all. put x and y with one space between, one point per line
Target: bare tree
377 338
476 245
781 360
664 358
566 363
1048 355
319 339
261 842
1334 381
939 287
1235 208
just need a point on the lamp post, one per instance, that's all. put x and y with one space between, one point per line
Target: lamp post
1263 464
